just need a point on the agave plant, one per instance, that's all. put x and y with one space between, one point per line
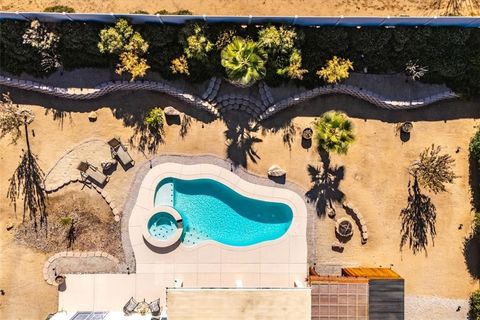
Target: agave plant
244 61
334 132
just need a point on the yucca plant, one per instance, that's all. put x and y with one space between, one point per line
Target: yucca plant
334 132
244 61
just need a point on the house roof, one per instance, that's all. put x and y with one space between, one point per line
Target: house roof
371 273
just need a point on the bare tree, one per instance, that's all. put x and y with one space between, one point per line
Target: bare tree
28 178
433 170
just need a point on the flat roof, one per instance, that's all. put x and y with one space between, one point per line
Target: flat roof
245 303
371 273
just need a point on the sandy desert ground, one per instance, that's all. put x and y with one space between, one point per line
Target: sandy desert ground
243 7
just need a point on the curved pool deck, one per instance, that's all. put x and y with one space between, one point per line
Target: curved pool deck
274 263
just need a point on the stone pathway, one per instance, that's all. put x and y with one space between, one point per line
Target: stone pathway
64 171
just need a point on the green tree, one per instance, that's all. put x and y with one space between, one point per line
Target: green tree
133 64
244 61
474 312
277 39
154 120
197 45
294 69
129 45
335 70
334 132
180 65
474 146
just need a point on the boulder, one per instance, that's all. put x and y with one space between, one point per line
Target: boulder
171 111
92 116
276 171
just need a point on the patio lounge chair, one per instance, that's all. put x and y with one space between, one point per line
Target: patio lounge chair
90 172
154 307
120 151
130 306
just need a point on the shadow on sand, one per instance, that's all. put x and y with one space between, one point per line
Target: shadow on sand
241 138
325 185
418 219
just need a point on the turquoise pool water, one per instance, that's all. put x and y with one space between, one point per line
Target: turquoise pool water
162 225
212 211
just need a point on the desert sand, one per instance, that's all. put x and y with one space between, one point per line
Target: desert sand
242 7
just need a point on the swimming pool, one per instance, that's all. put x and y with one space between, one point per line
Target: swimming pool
212 211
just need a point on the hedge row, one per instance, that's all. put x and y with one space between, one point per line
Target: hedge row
452 55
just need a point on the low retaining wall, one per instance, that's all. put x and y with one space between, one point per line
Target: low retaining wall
257 109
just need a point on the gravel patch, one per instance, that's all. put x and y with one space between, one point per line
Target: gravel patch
430 307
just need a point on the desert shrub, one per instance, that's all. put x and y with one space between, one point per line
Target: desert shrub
195 41
60 9
129 45
474 146
154 119
294 69
277 40
140 12
180 66
336 69
181 12
474 302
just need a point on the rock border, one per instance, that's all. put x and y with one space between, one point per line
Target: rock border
260 110
73 254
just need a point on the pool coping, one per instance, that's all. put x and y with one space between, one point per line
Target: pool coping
189 159
170 241
166 170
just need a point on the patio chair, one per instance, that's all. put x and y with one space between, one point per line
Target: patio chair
90 172
130 306
120 151
154 307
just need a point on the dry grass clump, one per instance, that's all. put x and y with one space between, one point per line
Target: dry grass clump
78 220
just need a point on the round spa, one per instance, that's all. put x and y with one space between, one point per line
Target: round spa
163 227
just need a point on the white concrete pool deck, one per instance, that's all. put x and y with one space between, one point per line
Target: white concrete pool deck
273 264
277 263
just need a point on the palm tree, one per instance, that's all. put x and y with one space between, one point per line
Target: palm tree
244 61
334 132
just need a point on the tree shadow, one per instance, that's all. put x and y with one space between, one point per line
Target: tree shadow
71 234
325 185
287 129
185 124
27 181
471 249
59 115
240 139
418 219
145 139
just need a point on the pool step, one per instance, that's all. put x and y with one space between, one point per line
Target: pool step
165 194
